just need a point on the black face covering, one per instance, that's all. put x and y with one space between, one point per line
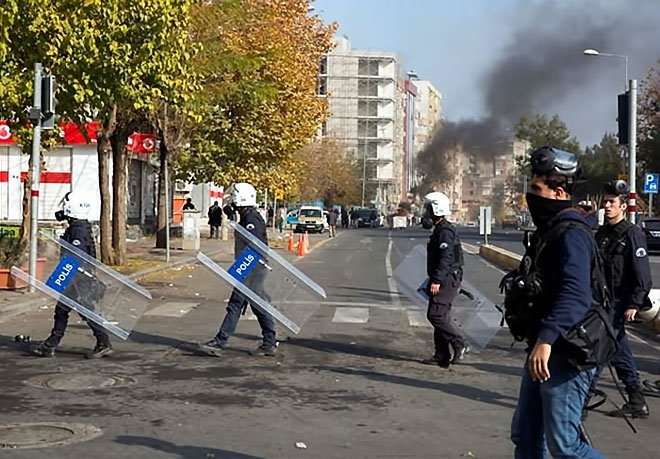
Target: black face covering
427 222
544 209
59 216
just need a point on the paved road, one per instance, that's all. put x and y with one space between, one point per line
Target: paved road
512 240
348 386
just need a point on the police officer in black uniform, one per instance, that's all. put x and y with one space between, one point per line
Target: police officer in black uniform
623 246
85 288
444 266
244 200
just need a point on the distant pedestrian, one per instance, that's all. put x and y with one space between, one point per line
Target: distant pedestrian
215 219
332 223
189 205
344 218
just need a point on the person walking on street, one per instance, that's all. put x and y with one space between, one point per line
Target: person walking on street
628 272
332 223
83 289
244 200
548 297
215 219
444 266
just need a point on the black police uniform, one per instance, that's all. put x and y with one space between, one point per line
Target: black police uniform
444 266
252 221
628 272
79 234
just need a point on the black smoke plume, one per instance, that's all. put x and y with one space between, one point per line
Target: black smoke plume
543 70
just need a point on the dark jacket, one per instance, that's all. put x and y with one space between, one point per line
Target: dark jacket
444 254
252 221
627 268
565 270
80 235
215 215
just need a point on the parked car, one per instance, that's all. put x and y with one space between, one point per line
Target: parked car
311 220
292 217
511 221
651 227
365 218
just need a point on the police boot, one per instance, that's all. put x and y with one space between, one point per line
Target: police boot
636 406
100 350
46 348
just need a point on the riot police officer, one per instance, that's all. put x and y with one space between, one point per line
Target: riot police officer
547 299
623 246
244 201
75 210
444 266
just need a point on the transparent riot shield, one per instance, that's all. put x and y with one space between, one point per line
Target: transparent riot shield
472 312
267 281
97 292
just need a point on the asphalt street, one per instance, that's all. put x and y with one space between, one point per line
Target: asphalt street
349 385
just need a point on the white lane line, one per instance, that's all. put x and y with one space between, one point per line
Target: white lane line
249 315
469 248
391 284
351 315
172 309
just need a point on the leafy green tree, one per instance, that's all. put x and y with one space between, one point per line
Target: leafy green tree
600 163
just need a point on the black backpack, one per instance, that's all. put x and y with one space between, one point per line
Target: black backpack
591 342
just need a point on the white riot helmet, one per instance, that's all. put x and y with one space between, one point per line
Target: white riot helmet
438 203
243 195
650 312
74 205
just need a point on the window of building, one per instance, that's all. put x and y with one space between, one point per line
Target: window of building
367 128
323 86
370 149
324 129
367 88
323 66
367 108
368 67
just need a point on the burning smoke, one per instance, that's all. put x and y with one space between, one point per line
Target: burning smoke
543 70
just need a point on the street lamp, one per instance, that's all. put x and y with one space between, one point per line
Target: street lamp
631 88
594 52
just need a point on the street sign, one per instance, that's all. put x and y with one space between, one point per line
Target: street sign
484 220
651 183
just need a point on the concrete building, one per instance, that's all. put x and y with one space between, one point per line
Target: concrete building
363 97
428 112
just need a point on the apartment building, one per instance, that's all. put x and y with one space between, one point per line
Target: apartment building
363 94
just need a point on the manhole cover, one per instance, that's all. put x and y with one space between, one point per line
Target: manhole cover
74 381
45 434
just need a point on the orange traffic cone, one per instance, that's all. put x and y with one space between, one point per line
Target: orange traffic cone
306 243
302 246
291 246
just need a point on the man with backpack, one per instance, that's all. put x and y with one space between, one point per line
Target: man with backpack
547 299
627 269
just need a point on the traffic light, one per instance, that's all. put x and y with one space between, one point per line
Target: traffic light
48 101
623 117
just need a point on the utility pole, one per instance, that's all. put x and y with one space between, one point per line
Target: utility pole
632 173
35 118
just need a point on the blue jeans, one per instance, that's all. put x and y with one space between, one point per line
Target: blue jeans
237 302
551 412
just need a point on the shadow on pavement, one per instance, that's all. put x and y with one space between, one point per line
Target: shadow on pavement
495 368
334 347
459 390
183 451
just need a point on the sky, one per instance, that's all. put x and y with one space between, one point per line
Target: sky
502 58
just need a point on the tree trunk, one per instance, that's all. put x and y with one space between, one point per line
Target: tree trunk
119 185
26 222
103 153
161 234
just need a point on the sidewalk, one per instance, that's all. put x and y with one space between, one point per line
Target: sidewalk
143 259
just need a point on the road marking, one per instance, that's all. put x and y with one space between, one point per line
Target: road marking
385 306
388 271
469 248
350 315
638 338
172 309
417 318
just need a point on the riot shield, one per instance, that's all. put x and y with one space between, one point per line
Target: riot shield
267 281
474 314
82 283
